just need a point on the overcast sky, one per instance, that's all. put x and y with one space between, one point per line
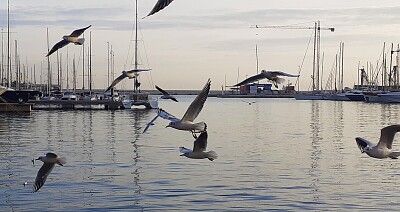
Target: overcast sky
192 40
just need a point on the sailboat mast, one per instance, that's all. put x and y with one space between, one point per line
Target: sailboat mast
135 81
8 44
136 34
48 66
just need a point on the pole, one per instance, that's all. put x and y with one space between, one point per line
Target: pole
48 66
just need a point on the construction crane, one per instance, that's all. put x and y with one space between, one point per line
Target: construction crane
317 37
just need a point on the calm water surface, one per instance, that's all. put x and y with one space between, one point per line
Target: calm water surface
277 154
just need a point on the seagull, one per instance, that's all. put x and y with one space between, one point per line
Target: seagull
150 123
384 147
48 164
186 123
199 148
270 75
166 95
66 39
249 102
130 74
159 6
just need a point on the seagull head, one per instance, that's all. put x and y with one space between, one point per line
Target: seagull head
366 149
185 154
171 124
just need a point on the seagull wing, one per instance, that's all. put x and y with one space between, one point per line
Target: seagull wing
79 32
42 174
387 136
151 123
281 73
165 115
200 144
116 81
173 99
195 107
159 6
184 150
162 91
254 78
51 155
57 46
362 143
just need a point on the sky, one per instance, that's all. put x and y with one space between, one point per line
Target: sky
191 40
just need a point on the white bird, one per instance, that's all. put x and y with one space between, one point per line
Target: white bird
48 164
150 123
130 74
199 149
161 4
166 95
187 121
384 147
251 102
270 75
66 39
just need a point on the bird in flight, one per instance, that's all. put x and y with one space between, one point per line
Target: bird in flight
166 95
130 74
49 162
187 121
384 147
66 39
249 102
161 4
272 76
199 149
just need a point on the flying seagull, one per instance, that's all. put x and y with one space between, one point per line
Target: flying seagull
159 6
48 164
199 149
251 102
186 123
66 39
130 74
166 95
150 123
270 75
384 147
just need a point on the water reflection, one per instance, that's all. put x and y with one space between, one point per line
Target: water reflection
314 171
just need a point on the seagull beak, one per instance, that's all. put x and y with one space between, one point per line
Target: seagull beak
182 155
37 159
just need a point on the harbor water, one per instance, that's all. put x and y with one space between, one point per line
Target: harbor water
275 154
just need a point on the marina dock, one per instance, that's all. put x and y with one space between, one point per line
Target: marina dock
15 107
74 104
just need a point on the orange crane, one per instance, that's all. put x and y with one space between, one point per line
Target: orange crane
317 36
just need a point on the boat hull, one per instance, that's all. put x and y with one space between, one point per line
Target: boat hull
18 96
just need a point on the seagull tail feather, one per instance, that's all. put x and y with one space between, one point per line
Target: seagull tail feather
394 155
211 155
80 41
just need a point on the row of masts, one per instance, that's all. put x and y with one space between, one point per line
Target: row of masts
19 75
384 75
26 78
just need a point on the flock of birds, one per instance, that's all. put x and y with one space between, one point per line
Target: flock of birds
383 149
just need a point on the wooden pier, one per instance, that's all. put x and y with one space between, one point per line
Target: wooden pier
15 107
75 104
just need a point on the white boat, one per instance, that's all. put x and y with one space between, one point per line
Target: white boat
308 96
382 97
69 96
336 96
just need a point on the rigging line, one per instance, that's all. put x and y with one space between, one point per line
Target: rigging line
304 57
130 44
146 57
